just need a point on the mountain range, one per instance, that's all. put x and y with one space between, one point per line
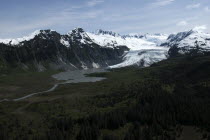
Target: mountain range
48 49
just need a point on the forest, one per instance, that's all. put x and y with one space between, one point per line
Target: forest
169 100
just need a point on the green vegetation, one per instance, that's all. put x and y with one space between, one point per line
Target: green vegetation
167 101
19 83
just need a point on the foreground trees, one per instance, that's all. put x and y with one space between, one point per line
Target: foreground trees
155 105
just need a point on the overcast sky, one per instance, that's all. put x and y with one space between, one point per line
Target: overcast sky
21 17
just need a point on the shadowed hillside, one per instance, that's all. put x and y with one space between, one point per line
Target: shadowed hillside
167 101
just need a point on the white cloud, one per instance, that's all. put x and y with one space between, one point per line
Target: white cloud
207 9
67 16
200 28
193 6
159 3
93 3
182 23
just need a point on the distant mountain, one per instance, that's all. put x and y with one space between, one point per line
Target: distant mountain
47 49
144 49
189 42
132 41
155 38
102 32
77 49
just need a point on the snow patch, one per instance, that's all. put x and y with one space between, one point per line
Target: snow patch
65 42
73 65
95 65
84 65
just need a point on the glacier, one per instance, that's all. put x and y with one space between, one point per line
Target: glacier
142 58
144 49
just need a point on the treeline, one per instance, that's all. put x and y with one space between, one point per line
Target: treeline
171 94
156 113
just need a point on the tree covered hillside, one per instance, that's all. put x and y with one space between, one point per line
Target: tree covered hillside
168 101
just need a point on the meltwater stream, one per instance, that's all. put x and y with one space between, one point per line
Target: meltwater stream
77 76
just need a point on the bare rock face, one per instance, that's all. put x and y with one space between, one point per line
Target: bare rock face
48 49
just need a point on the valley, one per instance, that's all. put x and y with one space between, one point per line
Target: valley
105 86
76 76
17 84
104 70
167 89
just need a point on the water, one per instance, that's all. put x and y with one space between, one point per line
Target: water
77 76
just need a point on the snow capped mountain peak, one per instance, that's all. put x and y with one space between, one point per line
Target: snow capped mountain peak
102 32
47 34
42 33
186 42
48 31
187 38
135 35
18 40
140 35
33 34
154 38
79 35
192 35
144 49
132 41
77 30
100 37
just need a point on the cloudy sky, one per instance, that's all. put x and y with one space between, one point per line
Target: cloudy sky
20 17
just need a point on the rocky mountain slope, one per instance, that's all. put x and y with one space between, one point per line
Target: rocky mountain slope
48 49
78 49
190 42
